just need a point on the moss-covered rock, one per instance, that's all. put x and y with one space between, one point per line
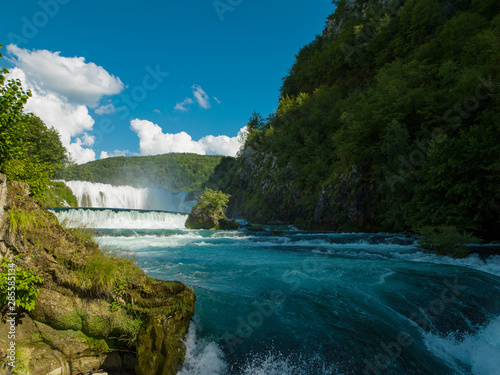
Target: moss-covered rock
93 310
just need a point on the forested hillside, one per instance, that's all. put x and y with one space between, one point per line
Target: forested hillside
390 120
175 172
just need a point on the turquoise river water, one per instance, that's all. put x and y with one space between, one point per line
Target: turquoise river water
316 303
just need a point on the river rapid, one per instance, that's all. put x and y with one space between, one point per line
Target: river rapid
315 303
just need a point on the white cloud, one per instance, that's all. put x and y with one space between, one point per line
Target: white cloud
81 154
71 77
201 96
69 119
182 105
152 141
105 109
87 140
105 154
62 89
220 145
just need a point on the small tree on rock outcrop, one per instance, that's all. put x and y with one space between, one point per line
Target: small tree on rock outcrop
210 212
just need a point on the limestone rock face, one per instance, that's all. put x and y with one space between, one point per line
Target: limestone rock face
79 324
343 203
265 191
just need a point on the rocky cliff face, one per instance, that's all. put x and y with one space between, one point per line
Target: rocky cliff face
93 311
265 192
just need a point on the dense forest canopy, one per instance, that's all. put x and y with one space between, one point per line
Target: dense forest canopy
407 94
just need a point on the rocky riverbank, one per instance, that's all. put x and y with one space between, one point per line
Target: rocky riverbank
93 311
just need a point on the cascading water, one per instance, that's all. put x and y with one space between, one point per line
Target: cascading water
120 219
97 195
316 303
307 303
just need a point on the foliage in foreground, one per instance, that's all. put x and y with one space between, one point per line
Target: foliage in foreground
17 285
29 151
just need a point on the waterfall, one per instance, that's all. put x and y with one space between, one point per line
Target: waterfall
94 194
119 219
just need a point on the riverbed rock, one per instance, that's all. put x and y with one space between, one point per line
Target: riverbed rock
115 321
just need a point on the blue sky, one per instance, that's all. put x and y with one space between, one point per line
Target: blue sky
148 77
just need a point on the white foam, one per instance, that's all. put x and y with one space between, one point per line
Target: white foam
491 265
478 353
410 253
273 363
203 357
97 195
110 219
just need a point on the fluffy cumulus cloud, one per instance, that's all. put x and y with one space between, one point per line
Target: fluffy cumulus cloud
71 77
79 153
153 141
62 90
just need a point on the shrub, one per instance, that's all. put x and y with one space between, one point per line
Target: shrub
19 281
215 202
446 241
36 175
59 194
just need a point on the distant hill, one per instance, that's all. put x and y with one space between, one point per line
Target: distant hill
175 172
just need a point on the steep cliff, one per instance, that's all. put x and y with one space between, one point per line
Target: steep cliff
93 311
265 192
386 121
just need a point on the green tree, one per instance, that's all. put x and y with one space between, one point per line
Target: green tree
44 143
29 151
215 202
12 101
459 183
36 174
